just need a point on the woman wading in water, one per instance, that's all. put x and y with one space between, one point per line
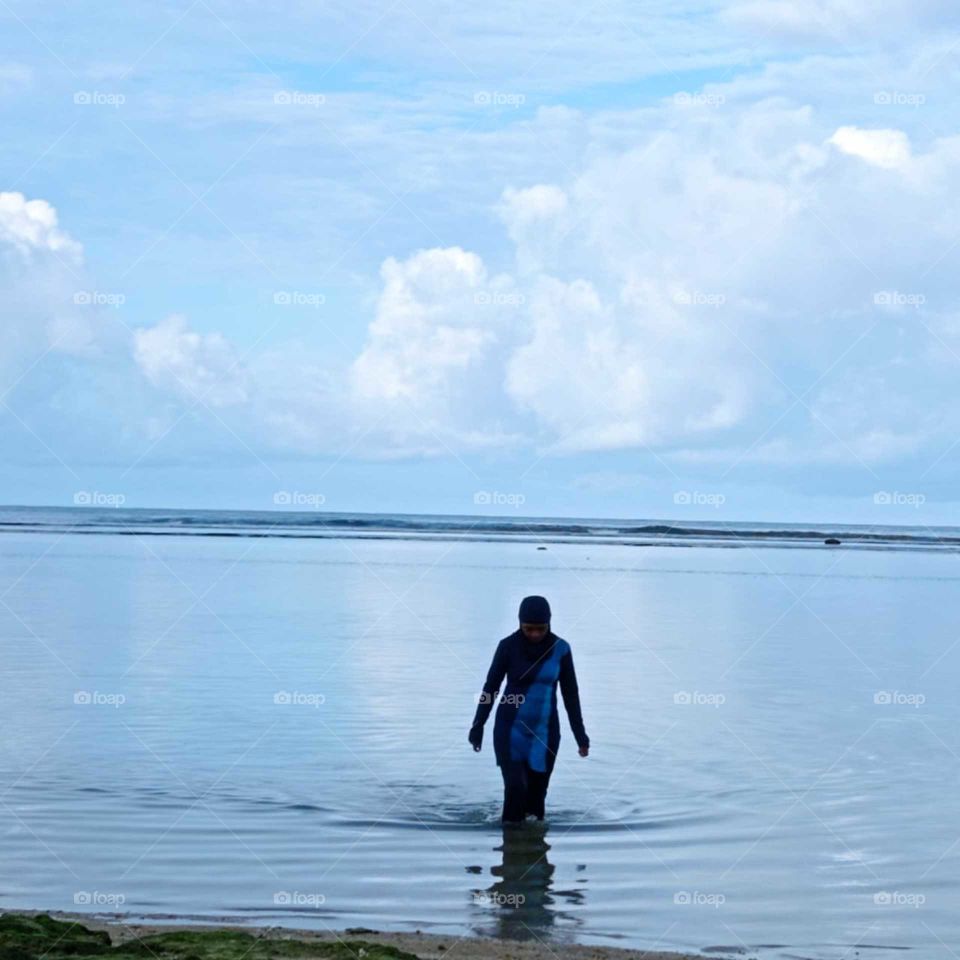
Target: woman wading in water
526 731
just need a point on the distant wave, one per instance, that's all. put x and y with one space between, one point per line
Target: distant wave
315 524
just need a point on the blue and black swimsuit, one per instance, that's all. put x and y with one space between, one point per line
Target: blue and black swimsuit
526 731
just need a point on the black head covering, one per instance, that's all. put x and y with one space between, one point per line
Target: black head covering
534 610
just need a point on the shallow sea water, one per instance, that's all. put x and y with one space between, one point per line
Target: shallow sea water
275 731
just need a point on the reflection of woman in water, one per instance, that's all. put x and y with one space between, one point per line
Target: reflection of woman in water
526 731
528 906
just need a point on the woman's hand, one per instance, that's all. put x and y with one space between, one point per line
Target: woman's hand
584 751
475 736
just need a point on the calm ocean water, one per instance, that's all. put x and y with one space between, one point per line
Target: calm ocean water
272 728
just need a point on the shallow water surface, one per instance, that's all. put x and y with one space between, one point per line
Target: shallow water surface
275 730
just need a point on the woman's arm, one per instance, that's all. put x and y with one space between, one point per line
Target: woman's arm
571 701
491 686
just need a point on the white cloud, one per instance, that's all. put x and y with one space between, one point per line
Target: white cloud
889 149
810 18
197 367
729 269
536 220
645 368
438 318
31 225
427 327
839 20
674 295
40 271
679 277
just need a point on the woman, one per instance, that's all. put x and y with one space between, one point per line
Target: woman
526 732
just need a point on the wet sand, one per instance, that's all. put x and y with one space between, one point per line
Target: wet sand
425 946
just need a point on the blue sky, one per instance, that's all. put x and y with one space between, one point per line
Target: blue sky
612 259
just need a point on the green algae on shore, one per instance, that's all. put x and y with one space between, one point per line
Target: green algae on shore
41 937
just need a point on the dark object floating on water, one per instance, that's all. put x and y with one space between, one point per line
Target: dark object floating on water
541 548
832 541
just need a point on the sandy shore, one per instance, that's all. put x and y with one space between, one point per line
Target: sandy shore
426 946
